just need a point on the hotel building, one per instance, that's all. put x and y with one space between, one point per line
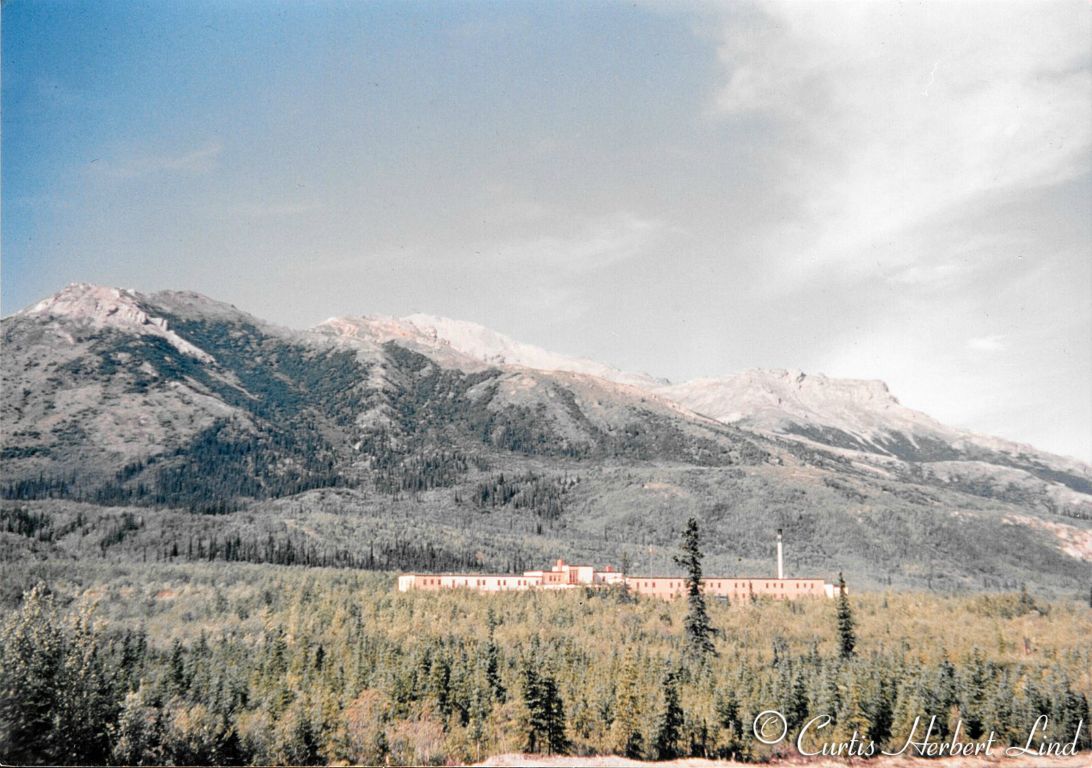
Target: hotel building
565 576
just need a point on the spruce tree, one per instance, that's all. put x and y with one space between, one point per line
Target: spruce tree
477 726
439 685
87 697
32 653
625 731
847 638
699 632
492 660
670 722
879 710
731 742
794 698
531 690
554 717
136 736
544 728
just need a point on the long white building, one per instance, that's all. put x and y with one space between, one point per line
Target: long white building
565 576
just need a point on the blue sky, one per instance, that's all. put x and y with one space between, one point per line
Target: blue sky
895 191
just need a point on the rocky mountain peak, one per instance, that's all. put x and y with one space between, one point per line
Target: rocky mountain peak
102 307
95 304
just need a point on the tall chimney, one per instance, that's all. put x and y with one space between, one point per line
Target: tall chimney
780 557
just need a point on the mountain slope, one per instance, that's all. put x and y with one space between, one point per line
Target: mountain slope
467 343
864 420
111 382
441 444
860 419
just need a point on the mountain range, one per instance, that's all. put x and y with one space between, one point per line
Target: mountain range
169 425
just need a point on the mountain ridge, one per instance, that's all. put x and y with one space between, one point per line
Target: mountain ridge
471 343
499 349
174 401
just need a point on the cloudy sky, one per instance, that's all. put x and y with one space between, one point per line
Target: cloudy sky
885 190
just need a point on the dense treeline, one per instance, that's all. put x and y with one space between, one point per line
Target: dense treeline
607 518
394 472
398 554
126 534
41 487
29 523
542 495
227 664
217 472
39 525
224 465
434 405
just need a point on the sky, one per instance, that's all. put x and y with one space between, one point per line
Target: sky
890 190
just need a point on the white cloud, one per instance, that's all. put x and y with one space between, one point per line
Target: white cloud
992 343
929 274
897 114
587 245
197 161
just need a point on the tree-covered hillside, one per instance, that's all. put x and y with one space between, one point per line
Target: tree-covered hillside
227 663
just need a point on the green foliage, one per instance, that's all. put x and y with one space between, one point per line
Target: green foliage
625 731
492 661
847 638
268 664
418 472
59 685
699 631
294 397
541 495
29 523
544 721
670 722
612 513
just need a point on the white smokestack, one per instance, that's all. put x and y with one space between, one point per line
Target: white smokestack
780 557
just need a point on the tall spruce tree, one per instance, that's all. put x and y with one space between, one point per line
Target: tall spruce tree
699 631
492 659
544 728
670 722
87 697
32 655
531 690
557 742
847 637
625 730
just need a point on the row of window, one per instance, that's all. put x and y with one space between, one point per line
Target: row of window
436 582
674 584
720 585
